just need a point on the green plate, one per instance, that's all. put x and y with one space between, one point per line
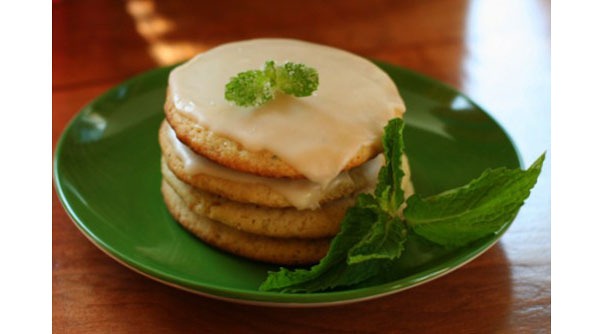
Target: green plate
107 175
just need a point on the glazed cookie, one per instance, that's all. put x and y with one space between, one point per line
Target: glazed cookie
206 175
232 154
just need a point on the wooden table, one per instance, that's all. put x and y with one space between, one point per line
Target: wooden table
497 52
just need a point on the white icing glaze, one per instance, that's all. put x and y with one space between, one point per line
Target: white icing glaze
317 135
301 193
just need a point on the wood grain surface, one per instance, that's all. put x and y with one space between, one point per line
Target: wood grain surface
497 52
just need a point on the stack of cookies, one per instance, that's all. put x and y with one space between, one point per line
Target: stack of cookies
240 182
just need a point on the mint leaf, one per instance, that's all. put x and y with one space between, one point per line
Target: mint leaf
462 215
384 240
249 89
297 79
389 184
256 87
386 235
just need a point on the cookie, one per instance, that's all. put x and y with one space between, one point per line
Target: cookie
282 251
232 154
255 190
274 222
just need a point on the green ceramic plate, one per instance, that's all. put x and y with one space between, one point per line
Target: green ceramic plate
107 174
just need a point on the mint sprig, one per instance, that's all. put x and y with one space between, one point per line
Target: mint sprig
372 235
256 87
